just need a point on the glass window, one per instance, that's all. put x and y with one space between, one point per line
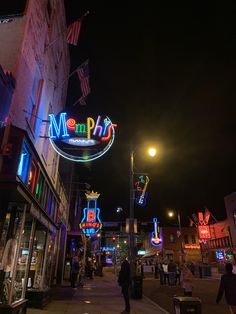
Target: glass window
36 266
50 262
12 226
49 202
33 175
186 239
39 187
23 167
44 195
23 260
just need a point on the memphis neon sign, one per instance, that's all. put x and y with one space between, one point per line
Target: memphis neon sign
81 141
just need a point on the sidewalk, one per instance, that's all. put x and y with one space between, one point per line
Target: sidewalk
100 295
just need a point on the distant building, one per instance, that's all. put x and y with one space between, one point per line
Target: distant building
230 205
34 65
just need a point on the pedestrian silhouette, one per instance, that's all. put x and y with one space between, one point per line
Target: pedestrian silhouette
228 287
124 282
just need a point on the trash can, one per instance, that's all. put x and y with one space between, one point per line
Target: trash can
137 287
187 305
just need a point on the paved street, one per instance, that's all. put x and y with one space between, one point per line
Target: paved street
101 295
205 289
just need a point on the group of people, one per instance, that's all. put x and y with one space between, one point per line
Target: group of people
172 274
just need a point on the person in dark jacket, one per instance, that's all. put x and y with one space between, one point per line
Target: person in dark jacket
124 282
74 270
228 287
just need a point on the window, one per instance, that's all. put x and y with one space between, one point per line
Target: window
172 238
186 239
39 187
35 102
193 239
32 175
23 167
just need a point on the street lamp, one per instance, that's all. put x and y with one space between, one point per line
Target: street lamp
132 256
171 214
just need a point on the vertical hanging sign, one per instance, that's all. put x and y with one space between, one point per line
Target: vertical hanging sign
91 222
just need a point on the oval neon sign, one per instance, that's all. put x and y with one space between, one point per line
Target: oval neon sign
81 141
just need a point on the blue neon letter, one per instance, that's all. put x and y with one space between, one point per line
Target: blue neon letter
55 130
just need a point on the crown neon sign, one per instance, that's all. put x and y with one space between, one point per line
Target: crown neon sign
81 141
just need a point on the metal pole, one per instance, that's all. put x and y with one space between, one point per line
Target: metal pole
131 217
180 238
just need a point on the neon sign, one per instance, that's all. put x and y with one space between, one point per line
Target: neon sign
81 141
142 194
204 232
155 238
91 222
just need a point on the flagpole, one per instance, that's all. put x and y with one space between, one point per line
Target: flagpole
67 78
65 30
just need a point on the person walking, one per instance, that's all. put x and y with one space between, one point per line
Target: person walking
74 270
124 282
172 272
228 287
186 279
166 274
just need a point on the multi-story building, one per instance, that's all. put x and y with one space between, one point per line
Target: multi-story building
34 61
230 205
175 246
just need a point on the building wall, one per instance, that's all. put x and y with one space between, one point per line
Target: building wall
230 205
40 70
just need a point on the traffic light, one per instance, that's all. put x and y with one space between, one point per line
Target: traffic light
113 239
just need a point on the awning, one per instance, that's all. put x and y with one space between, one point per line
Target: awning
152 252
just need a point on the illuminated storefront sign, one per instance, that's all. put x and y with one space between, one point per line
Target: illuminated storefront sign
81 141
192 246
220 255
91 222
204 232
155 238
106 248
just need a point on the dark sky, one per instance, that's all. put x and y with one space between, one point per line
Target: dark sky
165 74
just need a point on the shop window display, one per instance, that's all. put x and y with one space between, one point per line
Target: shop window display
50 262
36 266
12 221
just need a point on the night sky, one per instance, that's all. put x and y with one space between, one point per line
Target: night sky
165 74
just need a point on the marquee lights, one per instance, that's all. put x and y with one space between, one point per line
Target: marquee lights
81 141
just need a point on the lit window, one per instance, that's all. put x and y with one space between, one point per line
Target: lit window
23 167
39 187
32 175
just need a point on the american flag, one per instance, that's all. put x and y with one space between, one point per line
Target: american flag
83 74
73 32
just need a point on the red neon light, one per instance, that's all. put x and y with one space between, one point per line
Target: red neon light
200 218
204 232
85 225
71 124
90 215
106 138
192 246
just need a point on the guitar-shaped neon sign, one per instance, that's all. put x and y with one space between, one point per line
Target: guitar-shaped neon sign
91 222
155 239
142 196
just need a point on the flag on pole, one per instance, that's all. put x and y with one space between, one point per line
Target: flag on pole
83 74
207 215
73 32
